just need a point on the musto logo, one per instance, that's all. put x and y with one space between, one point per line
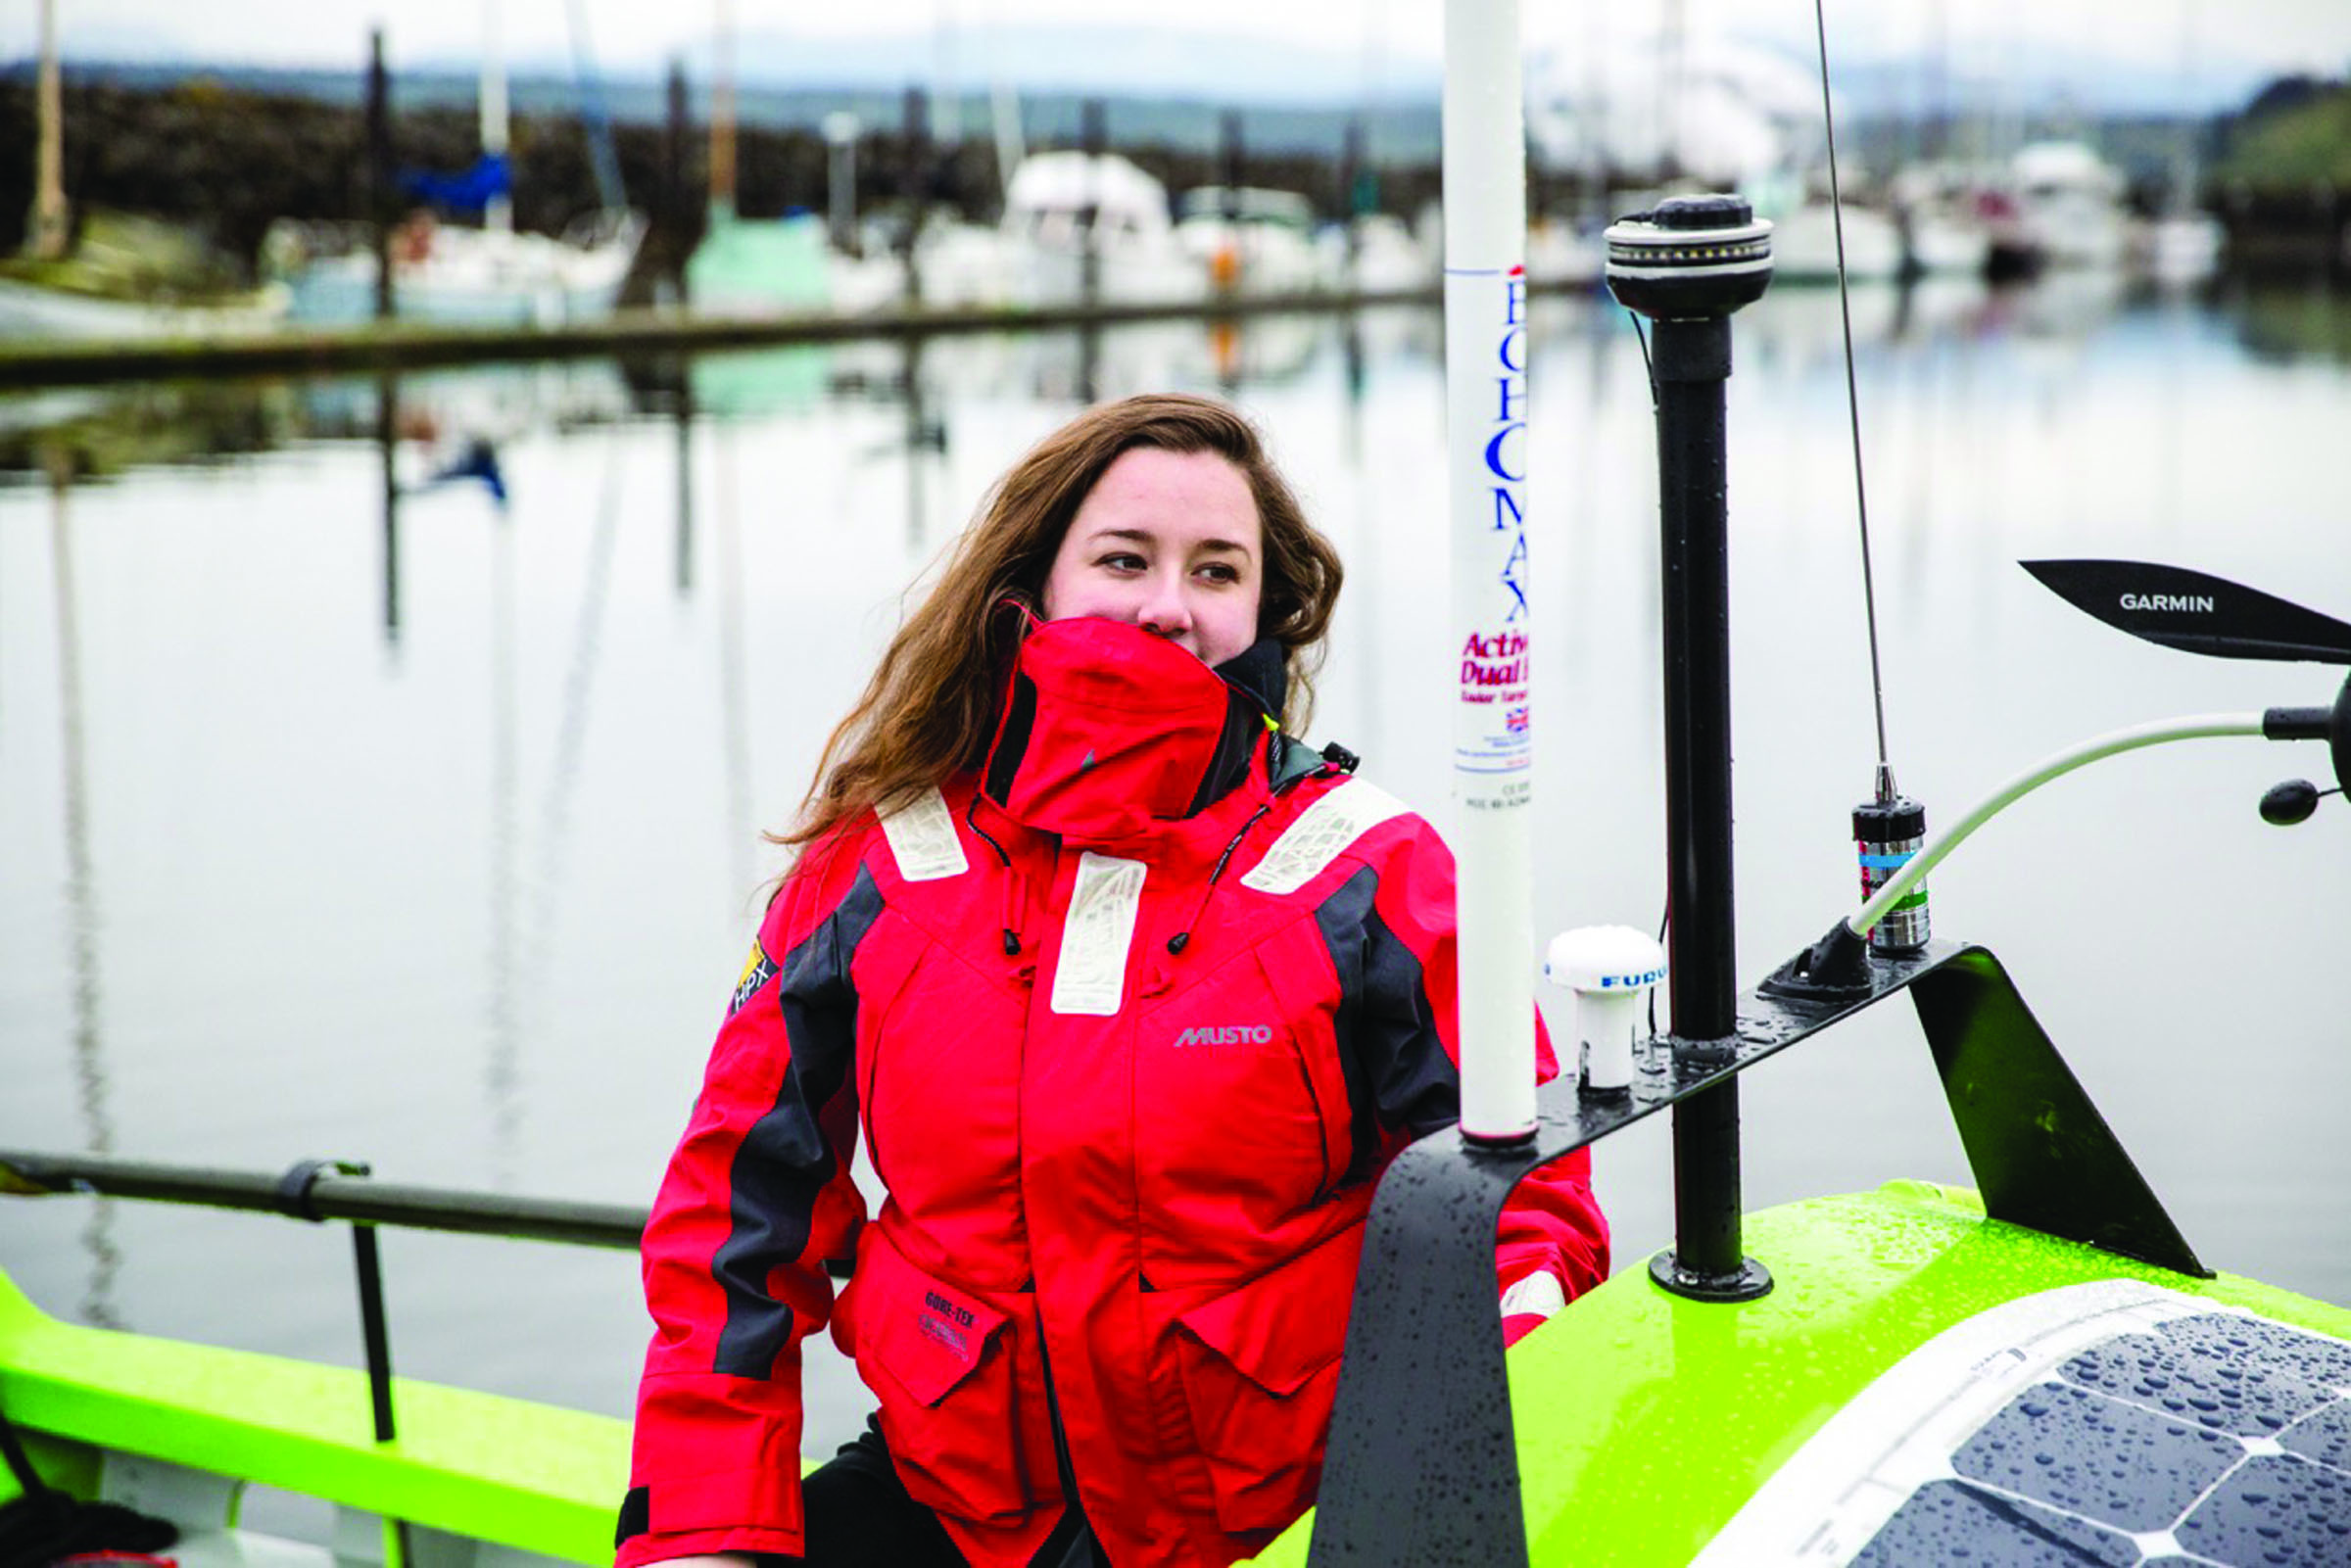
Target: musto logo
1229 1034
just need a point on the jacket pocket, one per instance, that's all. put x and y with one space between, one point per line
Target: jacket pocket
1259 1366
941 1361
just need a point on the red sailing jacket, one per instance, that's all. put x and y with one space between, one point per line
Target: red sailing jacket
1131 1025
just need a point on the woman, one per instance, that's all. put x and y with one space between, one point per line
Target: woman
1133 997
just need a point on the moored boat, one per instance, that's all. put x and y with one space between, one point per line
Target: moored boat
1082 225
2070 204
37 309
132 277
479 276
1248 240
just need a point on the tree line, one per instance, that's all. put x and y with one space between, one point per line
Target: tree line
227 161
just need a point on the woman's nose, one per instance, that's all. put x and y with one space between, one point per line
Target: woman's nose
1164 609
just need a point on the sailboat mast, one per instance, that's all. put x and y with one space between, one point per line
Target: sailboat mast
1486 436
722 115
498 213
49 230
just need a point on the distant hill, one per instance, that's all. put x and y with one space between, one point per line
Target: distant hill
1124 60
1097 59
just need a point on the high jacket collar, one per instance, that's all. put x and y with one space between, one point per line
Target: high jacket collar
1111 733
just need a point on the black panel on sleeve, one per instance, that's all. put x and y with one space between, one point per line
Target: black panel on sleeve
784 1161
1389 1050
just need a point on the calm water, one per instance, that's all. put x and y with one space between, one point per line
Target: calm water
345 813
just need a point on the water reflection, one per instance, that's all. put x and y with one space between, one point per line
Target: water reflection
387 439
681 398
449 425
506 980
734 676
84 926
924 445
107 432
2283 325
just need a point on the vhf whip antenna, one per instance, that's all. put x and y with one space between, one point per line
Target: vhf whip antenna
2175 607
1888 827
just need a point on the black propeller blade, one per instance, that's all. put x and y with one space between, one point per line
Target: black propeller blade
2195 611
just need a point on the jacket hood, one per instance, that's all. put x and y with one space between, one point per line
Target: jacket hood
1108 729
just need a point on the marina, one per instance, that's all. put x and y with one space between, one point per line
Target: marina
397 716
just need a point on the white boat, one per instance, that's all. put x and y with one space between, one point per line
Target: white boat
2181 248
2183 244
1805 243
1945 242
1657 107
1066 212
487 276
1948 227
1378 253
1562 254
29 309
961 264
2070 201
1250 240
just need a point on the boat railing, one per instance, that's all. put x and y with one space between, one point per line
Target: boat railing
327 1189
321 1190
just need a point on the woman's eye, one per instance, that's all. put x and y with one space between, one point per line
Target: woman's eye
1221 572
1121 561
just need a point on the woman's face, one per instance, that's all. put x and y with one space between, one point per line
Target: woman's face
1167 541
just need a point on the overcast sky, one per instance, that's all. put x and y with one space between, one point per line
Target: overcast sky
2195 38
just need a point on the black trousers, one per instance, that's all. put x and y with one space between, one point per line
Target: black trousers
857 1515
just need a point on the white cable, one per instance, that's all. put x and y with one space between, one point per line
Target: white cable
1914 871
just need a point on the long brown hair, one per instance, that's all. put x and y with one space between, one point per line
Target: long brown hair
929 710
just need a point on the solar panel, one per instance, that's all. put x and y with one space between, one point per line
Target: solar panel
2111 1424
2220 1433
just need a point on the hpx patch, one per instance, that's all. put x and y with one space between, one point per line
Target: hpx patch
758 970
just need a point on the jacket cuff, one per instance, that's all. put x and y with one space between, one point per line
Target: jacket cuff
641 1551
755 1509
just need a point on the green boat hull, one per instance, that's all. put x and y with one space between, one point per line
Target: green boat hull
1646 1422
181 1429
1646 1425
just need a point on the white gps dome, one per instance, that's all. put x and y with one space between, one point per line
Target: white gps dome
1609 968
